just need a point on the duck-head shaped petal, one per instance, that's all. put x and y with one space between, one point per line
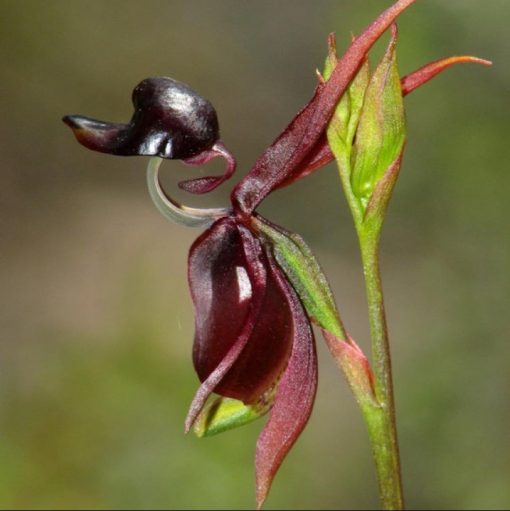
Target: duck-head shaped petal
170 120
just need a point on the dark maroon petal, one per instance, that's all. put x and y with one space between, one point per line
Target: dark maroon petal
234 273
287 153
209 183
267 351
170 121
417 78
212 268
242 319
295 395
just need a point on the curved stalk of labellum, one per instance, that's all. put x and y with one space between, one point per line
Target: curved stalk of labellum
173 210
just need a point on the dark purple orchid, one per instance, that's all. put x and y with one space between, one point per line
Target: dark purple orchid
253 340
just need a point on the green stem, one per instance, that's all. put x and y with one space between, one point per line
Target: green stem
382 426
381 420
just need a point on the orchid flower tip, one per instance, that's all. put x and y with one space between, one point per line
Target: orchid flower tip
469 59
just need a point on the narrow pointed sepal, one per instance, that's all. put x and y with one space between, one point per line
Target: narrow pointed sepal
294 397
322 154
319 156
421 76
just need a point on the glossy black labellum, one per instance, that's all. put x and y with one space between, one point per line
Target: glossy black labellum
170 120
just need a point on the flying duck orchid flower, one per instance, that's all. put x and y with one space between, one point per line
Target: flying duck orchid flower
255 287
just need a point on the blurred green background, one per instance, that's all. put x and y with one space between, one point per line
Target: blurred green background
96 322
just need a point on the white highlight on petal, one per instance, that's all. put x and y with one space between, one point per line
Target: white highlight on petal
152 144
244 284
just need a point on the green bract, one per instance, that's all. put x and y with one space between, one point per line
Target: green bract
303 271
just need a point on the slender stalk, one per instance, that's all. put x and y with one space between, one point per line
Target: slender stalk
381 420
382 426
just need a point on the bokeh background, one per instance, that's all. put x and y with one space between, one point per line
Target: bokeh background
96 323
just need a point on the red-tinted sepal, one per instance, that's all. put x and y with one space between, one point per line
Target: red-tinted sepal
319 156
421 76
294 398
356 367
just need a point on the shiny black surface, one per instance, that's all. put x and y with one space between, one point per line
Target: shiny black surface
170 120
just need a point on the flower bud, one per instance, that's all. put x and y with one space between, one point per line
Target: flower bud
380 135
